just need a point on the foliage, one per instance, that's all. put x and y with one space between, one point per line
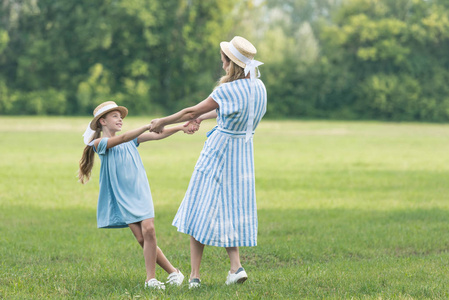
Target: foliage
376 59
148 55
347 59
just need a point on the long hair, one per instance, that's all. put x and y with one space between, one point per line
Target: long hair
233 72
87 160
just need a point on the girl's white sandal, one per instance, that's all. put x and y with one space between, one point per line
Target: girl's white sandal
154 284
175 278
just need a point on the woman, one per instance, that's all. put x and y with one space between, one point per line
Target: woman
219 208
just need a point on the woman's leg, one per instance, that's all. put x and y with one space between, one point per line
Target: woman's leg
234 257
161 260
196 254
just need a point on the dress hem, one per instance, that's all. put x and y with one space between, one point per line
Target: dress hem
123 225
216 244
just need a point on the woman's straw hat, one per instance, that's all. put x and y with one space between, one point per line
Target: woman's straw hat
103 109
243 46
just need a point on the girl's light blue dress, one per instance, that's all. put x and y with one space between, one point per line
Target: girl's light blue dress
219 207
125 195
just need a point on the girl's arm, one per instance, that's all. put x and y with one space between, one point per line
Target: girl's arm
206 116
151 136
123 138
187 114
210 115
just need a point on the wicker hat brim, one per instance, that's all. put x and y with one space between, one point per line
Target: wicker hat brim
225 48
123 111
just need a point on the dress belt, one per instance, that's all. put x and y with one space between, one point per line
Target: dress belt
230 132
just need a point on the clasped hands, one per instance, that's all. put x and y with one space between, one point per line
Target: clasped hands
190 127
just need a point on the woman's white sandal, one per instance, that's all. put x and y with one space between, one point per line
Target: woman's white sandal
194 283
238 277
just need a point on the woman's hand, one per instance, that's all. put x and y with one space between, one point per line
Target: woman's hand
157 126
192 126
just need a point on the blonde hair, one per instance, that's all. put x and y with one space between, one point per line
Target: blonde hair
86 162
233 72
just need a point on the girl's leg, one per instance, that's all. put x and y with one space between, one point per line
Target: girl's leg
161 260
164 262
196 253
145 234
234 257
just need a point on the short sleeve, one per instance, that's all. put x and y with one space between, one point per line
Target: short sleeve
102 146
219 95
136 142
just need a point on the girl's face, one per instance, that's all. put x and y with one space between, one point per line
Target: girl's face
225 61
112 120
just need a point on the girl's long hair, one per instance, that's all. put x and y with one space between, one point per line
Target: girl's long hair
87 160
233 72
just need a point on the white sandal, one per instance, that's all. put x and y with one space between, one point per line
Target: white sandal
175 278
194 283
154 284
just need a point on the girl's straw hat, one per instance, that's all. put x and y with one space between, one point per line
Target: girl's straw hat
103 109
243 46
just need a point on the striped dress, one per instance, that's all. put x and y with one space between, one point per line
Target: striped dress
219 207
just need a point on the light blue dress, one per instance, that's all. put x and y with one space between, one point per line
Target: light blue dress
219 207
125 195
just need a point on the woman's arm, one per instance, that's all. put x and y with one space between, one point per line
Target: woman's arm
151 136
123 138
187 114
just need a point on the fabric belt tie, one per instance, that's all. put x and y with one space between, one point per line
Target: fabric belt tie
231 132
251 65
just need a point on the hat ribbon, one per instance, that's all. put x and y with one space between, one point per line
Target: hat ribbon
251 65
89 132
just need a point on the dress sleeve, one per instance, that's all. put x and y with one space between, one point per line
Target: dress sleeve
136 142
102 146
219 95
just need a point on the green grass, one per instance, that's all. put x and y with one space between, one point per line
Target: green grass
346 210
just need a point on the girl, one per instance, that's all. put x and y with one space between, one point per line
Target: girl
219 207
125 196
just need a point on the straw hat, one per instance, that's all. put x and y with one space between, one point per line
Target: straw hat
103 109
243 46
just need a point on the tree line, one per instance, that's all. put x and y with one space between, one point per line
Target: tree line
354 59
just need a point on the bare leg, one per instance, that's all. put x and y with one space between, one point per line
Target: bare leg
161 260
234 257
164 262
196 254
149 247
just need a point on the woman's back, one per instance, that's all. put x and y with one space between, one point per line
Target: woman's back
233 99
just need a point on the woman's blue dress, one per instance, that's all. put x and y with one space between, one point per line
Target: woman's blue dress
219 207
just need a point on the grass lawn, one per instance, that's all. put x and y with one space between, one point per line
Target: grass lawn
346 210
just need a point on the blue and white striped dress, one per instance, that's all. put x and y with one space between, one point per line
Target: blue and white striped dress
219 207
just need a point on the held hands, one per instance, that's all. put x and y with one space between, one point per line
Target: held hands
192 126
156 125
189 127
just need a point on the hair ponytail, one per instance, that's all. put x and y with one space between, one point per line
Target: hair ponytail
87 160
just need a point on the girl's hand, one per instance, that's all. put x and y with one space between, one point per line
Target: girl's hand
157 126
191 126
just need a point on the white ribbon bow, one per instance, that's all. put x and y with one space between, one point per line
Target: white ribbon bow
88 135
251 65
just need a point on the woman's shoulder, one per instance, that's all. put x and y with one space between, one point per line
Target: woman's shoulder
239 83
